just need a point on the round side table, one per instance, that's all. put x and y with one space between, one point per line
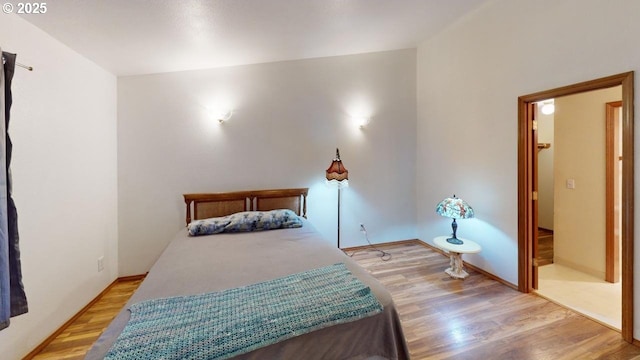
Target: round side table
455 269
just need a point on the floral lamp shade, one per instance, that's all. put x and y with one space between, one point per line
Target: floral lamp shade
454 208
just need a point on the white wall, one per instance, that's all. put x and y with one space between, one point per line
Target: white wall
580 132
469 79
63 127
289 117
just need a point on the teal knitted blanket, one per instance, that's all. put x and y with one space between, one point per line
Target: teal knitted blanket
224 324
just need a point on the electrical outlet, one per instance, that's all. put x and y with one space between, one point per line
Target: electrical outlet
571 183
100 263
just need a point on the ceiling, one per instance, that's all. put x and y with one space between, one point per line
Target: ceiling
132 37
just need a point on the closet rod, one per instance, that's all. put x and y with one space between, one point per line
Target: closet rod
30 68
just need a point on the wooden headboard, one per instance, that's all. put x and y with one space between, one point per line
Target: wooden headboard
222 204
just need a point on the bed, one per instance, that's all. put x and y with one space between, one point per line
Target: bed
219 264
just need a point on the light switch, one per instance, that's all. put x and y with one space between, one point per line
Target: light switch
571 183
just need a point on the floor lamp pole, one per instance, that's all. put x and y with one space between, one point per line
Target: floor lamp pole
338 217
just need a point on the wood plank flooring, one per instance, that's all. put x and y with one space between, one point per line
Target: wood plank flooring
77 338
479 318
442 318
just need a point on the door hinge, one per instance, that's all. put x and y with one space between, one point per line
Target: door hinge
534 262
534 195
534 126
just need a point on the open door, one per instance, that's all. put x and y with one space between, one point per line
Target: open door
613 192
528 191
533 114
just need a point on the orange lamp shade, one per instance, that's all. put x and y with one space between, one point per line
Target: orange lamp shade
336 170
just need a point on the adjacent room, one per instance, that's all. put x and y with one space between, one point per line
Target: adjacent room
403 149
578 274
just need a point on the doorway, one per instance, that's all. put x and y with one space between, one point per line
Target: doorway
528 187
574 168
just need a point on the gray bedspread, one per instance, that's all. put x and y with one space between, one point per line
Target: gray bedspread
196 265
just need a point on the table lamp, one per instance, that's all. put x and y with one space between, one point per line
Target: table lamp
454 208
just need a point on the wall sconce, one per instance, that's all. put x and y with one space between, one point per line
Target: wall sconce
548 107
360 121
223 116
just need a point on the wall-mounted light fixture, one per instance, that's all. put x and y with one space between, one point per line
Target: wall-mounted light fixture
360 121
548 107
220 113
223 116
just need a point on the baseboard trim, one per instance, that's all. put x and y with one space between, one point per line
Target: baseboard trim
438 250
578 267
75 317
364 247
130 278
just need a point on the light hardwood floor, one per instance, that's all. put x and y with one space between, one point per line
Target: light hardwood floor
442 318
479 318
77 338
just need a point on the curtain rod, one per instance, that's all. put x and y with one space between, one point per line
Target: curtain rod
30 68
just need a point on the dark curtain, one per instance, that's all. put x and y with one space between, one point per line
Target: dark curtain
13 298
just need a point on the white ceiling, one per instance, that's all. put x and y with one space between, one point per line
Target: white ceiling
130 37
